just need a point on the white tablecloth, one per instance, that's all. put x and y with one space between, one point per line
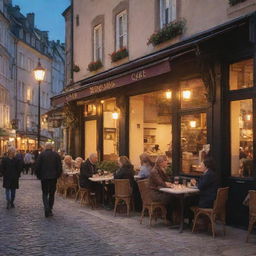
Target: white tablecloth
178 191
101 178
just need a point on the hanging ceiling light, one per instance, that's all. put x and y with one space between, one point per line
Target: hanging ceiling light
168 94
186 94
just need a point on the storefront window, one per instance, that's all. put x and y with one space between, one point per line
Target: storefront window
111 116
150 125
241 138
90 110
193 94
241 75
193 142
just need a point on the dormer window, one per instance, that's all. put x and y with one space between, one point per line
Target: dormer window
121 30
167 12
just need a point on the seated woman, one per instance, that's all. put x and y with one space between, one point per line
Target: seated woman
78 162
67 164
158 179
126 170
146 166
207 184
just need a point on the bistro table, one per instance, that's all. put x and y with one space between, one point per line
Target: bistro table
102 179
180 191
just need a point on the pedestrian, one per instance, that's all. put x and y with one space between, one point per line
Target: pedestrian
48 169
11 168
27 161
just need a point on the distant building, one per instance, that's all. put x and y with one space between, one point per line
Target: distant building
26 45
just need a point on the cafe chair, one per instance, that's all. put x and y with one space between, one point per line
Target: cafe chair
71 185
85 195
148 204
60 185
218 212
252 212
123 193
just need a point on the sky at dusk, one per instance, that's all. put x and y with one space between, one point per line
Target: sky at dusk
47 15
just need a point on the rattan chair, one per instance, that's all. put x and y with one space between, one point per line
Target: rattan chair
148 204
123 193
252 212
218 212
60 185
71 185
86 196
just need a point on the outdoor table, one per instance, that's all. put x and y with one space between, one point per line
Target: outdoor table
137 177
102 179
71 173
180 192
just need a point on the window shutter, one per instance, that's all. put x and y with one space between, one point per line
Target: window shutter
117 33
100 42
173 10
125 30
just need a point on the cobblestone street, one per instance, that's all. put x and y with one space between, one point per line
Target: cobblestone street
76 230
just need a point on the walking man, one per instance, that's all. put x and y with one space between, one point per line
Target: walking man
48 169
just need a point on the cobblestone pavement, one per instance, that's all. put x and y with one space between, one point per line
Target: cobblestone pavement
78 230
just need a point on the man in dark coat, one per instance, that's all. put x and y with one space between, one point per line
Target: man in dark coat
88 168
48 169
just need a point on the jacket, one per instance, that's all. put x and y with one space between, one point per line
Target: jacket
157 179
48 165
87 169
125 172
11 169
208 185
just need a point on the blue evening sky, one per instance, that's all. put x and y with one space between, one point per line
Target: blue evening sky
47 15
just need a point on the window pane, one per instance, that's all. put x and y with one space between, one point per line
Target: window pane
150 125
241 138
193 94
111 130
193 142
241 75
90 110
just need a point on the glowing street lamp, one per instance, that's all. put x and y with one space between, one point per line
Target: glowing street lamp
39 73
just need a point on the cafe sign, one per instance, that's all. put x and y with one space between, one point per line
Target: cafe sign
136 76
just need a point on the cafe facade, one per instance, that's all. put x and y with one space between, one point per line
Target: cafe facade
195 96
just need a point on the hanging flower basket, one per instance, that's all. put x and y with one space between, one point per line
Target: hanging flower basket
234 2
94 65
168 32
120 54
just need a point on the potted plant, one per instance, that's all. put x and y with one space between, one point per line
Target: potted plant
119 54
168 32
107 165
94 65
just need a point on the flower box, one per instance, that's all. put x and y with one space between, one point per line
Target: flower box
168 32
118 55
234 2
95 65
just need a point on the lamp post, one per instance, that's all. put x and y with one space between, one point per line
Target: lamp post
39 73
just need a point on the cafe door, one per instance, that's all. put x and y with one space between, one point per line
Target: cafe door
90 137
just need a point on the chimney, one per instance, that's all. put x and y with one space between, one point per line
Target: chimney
31 19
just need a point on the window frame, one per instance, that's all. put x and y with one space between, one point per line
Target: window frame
124 35
172 12
98 28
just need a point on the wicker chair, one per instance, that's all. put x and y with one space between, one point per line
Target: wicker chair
123 192
218 212
86 196
148 204
60 185
252 212
71 184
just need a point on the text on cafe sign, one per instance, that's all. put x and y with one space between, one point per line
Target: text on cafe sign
102 87
138 75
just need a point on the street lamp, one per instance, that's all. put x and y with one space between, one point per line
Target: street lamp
39 73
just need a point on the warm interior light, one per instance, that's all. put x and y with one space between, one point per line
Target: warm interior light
11 139
39 72
248 117
115 115
186 94
168 94
192 124
18 138
102 101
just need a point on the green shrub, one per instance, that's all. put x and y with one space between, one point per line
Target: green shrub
109 166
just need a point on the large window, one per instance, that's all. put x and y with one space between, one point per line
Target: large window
150 125
241 75
121 30
97 43
241 129
167 12
111 116
193 125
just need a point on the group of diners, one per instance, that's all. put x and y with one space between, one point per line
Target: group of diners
155 172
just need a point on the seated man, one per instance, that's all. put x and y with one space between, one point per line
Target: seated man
87 170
